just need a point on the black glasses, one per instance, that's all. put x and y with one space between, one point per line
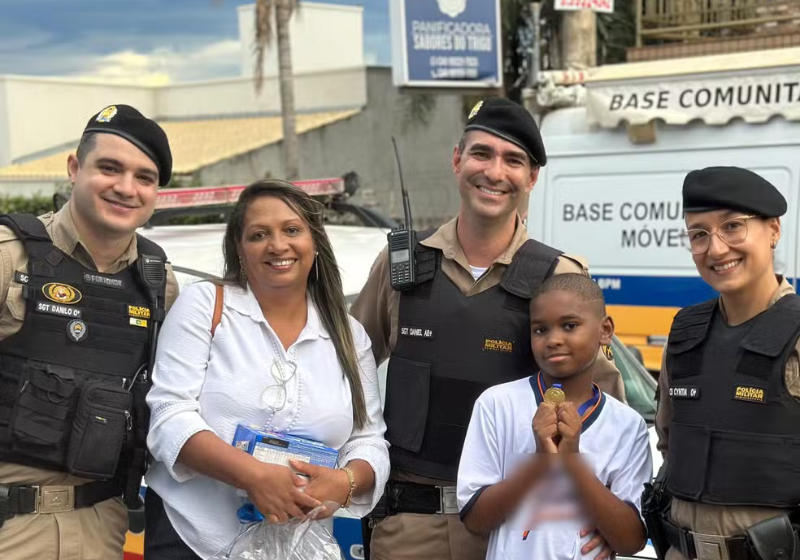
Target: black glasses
731 232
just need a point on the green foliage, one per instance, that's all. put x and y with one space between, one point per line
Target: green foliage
37 204
616 32
415 109
517 42
180 182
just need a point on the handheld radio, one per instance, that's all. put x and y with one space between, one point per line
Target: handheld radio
402 240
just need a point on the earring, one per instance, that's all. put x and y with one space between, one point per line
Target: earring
316 265
773 244
242 273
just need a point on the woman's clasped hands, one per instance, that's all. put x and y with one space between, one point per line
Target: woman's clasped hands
278 493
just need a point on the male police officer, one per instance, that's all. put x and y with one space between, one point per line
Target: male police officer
462 328
80 295
729 390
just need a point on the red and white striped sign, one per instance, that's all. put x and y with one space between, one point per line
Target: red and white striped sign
214 196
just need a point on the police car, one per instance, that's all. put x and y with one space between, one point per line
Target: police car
358 235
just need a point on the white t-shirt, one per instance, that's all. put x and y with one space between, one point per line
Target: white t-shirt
477 271
614 442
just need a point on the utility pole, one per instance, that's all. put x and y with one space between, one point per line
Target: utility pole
579 39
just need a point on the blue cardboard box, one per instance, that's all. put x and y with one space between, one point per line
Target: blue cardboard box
279 449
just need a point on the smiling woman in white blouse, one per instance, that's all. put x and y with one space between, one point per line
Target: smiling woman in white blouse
285 355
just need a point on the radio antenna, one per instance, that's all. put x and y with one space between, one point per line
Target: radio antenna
406 204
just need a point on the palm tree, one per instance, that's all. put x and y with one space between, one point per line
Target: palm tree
615 33
272 19
279 13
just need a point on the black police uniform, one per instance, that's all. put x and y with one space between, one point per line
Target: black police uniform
73 379
734 436
440 367
435 378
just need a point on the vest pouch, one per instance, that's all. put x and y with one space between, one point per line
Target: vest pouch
773 479
408 387
102 422
41 420
688 452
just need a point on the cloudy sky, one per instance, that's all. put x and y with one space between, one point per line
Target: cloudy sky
143 40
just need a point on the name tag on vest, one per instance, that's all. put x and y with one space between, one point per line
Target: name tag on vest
105 281
56 309
684 392
416 332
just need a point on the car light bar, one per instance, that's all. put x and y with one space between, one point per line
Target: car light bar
215 196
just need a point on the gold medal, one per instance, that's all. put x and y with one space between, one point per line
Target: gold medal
554 395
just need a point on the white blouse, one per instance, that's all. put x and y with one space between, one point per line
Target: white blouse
203 385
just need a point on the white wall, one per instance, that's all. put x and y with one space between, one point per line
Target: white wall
4 129
337 33
39 114
43 113
319 91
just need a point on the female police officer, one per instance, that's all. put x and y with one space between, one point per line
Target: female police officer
729 407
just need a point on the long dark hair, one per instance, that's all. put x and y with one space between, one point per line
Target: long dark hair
326 292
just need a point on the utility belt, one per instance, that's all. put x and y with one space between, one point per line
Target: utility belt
411 497
773 539
408 497
21 499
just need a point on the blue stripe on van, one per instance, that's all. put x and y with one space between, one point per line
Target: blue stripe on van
660 291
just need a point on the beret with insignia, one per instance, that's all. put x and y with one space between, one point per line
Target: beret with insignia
145 134
731 188
511 122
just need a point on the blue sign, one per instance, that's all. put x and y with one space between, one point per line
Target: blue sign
445 43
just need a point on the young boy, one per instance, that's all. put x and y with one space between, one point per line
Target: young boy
534 485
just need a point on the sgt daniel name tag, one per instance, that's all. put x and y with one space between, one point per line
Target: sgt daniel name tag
56 309
416 332
684 392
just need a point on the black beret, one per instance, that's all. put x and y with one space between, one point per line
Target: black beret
511 122
731 188
145 134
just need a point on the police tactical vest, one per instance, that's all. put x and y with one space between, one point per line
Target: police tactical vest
73 379
450 348
734 436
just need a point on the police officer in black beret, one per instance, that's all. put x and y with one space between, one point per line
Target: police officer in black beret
81 295
729 416
463 327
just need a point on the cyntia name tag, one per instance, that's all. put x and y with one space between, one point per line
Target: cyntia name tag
684 392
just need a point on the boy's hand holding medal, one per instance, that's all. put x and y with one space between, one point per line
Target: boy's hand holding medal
556 424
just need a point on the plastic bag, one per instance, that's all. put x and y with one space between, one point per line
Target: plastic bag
299 539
